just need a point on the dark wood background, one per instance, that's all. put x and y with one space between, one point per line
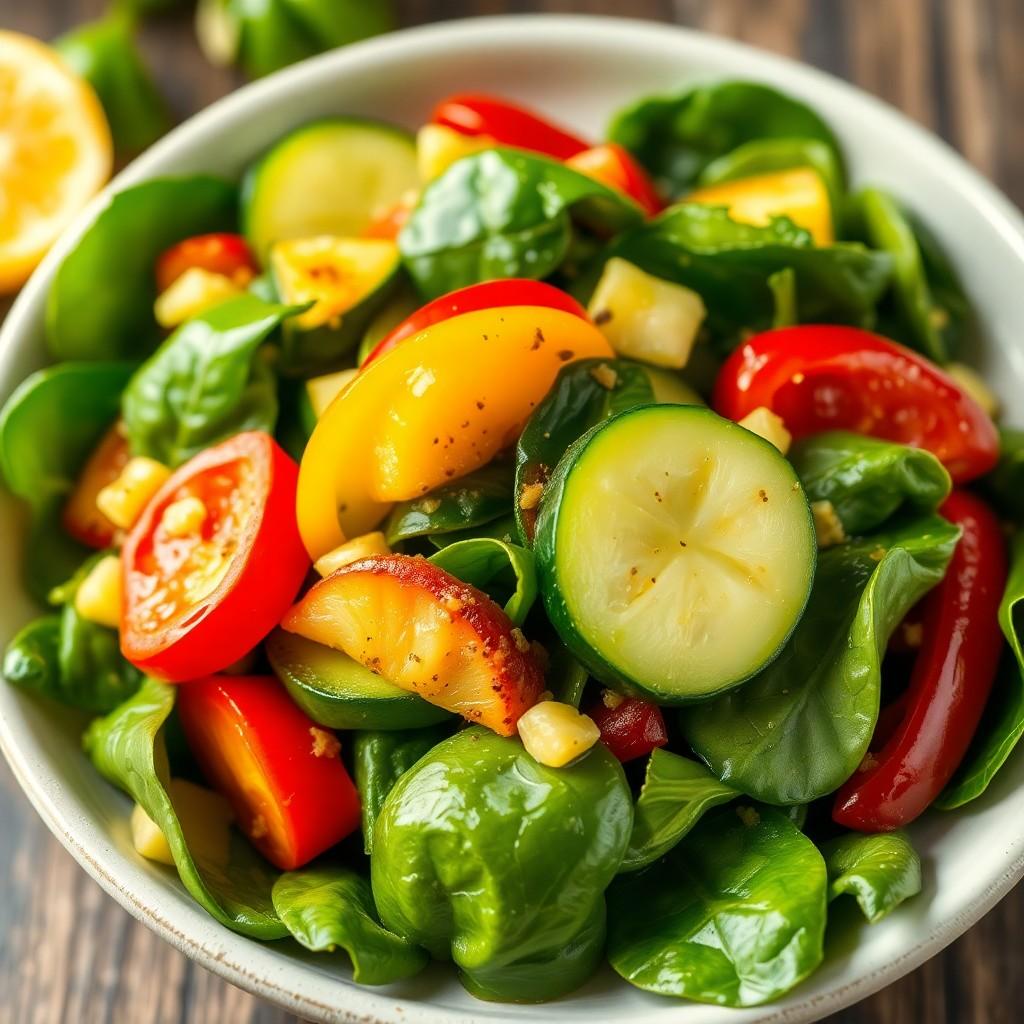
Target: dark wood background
68 953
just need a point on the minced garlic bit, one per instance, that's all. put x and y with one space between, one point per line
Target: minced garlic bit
453 603
258 828
878 554
913 634
123 500
530 495
611 700
519 639
325 744
183 517
827 525
869 764
763 422
605 376
556 734
749 816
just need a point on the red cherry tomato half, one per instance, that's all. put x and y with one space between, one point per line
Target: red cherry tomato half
819 377
507 123
195 604
220 253
631 729
279 770
611 165
81 518
512 291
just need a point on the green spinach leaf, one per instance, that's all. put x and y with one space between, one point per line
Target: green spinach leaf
503 213
104 53
579 399
868 481
1002 724
128 749
381 758
100 305
729 265
473 500
1005 484
331 906
801 727
486 857
496 568
675 795
879 871
734 915
206 382
677 137
932 322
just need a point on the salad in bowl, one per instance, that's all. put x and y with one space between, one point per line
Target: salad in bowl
495 546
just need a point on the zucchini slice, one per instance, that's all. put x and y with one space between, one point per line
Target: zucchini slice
330 177
675 551
338 692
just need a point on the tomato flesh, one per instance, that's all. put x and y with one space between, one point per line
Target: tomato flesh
219 253
81 518
196 603
281 772
821 377
631 729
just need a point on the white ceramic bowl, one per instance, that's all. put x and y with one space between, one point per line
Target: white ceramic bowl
579 70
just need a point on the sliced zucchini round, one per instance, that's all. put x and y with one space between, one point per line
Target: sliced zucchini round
675 552
330 177
338 692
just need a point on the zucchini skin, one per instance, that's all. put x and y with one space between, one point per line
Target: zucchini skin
557 607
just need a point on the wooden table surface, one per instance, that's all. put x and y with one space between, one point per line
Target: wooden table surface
69 953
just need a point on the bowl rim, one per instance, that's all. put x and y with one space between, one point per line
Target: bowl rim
365 1005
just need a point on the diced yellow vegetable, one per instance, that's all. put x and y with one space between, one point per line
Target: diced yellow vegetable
798 193
205 818
351 551
827 525
98 597
763 422
323 390
972 382
438 147
335 274
644 317
196 291
555 734
123 500
147 838
184 517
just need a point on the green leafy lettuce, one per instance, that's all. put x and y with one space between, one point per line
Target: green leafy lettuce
879 871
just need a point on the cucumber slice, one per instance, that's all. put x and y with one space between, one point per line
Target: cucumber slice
330 177
338 692
675 551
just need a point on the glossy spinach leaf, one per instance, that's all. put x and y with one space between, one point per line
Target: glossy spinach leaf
1005 484
31 659
207 381
128 749
104 53
931 322
503 529
763 156
472 500
800 728
486 857
729 265
328 907
503 213
868 481
579 399
100 305
381 759
879 871
1002 724
677 137
495 567
734 915
675 795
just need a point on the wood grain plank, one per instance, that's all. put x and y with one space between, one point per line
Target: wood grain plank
69 953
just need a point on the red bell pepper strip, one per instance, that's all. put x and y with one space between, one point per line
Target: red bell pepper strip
949 685
613 166
820 377
280 771
631 729
507 123
513 291
220 253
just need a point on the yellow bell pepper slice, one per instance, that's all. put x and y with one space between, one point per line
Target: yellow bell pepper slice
798 193
438 406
